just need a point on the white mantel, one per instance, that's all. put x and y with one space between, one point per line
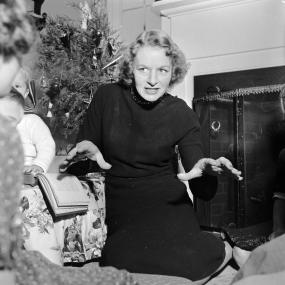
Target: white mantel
175 7
224 35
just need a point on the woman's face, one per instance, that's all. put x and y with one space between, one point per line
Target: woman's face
8 71
152 72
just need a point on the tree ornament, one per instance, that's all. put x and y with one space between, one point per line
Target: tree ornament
54 89
49 113
65 40
44 81
113 62
99 53
54 86
98 38
85 15
94 59
110 48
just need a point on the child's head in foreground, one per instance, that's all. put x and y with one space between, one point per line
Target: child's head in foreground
17 35
12 106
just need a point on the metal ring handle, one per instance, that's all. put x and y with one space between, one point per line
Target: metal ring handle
215 126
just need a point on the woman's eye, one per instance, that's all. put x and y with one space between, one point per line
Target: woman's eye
143 69
163 70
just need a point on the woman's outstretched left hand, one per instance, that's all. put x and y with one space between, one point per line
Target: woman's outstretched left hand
212 167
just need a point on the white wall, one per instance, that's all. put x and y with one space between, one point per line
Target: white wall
225 35
61 8
130 16
216 35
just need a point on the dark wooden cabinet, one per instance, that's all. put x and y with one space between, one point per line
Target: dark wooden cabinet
239 113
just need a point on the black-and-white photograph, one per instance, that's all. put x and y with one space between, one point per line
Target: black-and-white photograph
142 142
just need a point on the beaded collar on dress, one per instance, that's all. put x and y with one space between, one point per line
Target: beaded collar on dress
145 103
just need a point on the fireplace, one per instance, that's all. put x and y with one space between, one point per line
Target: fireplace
239 112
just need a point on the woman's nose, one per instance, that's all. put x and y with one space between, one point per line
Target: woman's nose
152 78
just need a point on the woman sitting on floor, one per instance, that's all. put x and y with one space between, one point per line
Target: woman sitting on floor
135 125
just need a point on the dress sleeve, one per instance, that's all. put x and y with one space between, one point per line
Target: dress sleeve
92 123
42 139
190 149
91 130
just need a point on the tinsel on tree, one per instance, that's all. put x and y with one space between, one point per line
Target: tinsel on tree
72 61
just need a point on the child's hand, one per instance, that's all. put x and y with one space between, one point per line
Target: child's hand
33 169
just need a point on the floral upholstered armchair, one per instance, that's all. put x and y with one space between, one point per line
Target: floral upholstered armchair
67 239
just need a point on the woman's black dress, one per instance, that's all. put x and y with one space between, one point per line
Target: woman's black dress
152 227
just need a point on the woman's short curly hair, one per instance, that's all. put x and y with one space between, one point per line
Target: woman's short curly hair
17 32
155 38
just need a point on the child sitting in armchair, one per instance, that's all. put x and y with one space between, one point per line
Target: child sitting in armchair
39 151
38 143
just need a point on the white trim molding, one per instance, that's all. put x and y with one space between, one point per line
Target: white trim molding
171 8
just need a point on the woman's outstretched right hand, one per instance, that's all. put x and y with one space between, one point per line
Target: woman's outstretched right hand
83 150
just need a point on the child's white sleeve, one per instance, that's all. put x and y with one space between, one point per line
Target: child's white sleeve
43 142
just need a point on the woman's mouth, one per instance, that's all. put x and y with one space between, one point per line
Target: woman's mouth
151 91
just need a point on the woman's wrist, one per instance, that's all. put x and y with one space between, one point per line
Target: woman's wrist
196 172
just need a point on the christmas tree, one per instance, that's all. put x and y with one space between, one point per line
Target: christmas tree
72 64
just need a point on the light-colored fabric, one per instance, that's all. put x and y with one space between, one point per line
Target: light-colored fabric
262 279
73 238
223 278
38 226
38 143
82 237
268 258
155 279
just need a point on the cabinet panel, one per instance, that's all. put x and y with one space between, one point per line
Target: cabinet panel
240 124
